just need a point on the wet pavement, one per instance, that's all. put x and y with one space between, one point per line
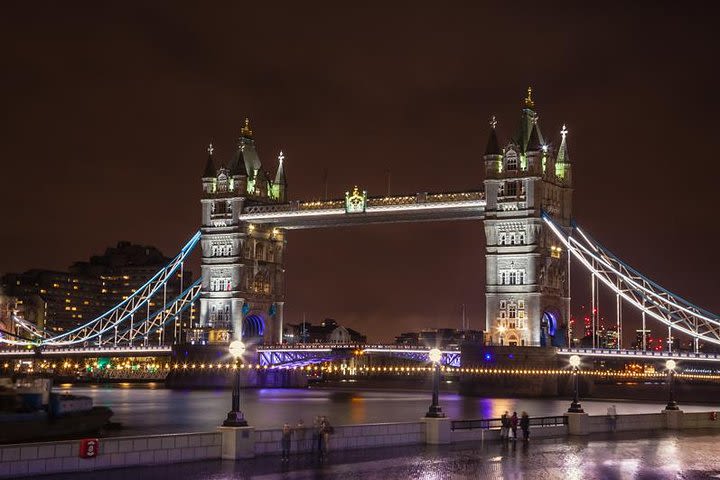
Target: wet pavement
668 455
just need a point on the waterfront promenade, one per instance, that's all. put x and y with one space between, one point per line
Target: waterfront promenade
627 455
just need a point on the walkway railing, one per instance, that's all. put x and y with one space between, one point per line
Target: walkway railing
496 423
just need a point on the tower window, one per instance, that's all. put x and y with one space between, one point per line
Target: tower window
511 160
511 189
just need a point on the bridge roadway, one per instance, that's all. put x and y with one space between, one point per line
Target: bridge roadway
304 354
406 208
639 354
119 351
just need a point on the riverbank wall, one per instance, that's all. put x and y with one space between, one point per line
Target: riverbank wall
33 459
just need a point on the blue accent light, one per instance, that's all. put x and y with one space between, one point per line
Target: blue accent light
487 357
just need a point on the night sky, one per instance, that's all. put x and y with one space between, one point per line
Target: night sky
107 112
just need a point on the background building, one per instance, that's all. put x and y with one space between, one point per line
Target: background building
327 332
440 337
58 301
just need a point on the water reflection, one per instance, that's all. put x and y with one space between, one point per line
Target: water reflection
152 409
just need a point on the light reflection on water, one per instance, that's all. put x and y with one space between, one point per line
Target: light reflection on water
151 409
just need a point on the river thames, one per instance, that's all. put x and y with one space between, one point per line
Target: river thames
152 409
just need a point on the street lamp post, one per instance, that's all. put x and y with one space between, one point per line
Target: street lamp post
435 355
235 417
672 404
575 406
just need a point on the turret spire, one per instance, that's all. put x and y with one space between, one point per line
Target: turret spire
280 175
529 103
245 131
535 143
210 165
492 148
562 156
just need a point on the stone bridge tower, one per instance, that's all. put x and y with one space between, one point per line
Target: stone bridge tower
242 294
527 289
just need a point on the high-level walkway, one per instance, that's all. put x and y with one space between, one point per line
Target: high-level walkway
617 456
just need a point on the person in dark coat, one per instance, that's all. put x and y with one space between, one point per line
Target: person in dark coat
525 425
514 425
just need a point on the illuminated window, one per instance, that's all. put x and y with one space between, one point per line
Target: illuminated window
511 160
220 284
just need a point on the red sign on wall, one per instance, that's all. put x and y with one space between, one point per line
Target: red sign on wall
89 447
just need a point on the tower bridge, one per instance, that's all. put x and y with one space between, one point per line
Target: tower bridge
524 200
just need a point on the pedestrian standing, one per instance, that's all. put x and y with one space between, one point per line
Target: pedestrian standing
300 436
326 431
612 417
285 441
316 435
504 426
525 426
514 425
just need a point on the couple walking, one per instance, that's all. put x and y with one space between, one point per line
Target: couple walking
509 425
320 440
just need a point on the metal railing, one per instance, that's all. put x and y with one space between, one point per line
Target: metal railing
496 423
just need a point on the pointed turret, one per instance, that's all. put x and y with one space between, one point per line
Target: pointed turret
237 164
528 125
279 186
493 147
493 153
563 167
280 174
210 170
562 156
246 145
534 144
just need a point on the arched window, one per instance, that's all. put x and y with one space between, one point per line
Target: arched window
511 160
513 277
502 278
512 311
503 239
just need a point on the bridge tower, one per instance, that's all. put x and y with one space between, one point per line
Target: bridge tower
527 286
242 293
